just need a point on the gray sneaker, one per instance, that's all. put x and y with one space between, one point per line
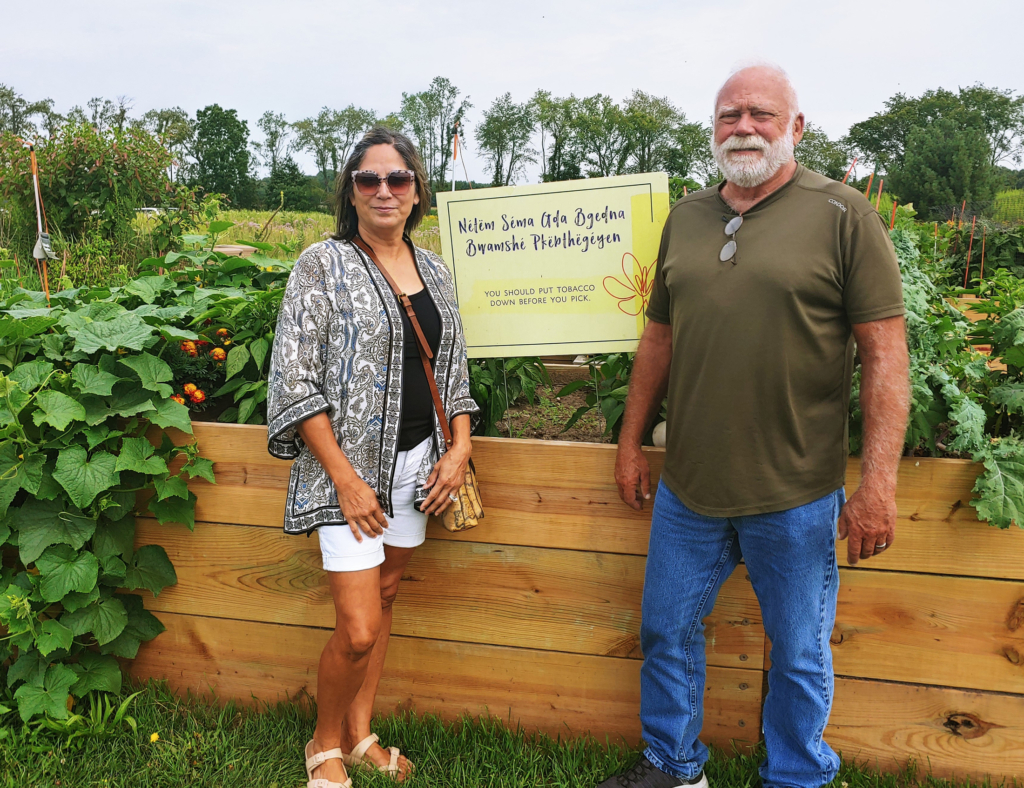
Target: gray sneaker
646 775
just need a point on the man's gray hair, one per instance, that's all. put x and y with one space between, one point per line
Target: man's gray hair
773 68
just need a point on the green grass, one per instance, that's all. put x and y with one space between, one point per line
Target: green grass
202 746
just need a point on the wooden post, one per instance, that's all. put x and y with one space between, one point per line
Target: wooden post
851 168
970 246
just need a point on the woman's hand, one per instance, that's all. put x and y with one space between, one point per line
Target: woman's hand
447 477
361 508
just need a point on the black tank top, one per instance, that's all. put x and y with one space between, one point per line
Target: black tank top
417 403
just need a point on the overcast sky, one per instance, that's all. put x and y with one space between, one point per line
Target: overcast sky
294 57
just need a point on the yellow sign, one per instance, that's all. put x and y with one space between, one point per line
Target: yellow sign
554 268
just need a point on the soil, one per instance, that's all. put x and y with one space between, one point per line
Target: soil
547 416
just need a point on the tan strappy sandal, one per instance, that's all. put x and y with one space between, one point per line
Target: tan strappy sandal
358 757
316 759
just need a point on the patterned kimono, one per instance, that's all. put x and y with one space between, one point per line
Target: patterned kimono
339 349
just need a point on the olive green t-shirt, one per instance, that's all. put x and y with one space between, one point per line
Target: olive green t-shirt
762 348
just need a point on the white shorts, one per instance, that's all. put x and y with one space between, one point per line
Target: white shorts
408 528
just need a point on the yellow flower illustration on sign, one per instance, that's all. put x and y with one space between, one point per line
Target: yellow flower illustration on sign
633 291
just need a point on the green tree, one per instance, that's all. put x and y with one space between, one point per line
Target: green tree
430 118
222 159
315 136
275 138
301 191
943 165
604 135
504 137
689 155
561 154
17 113
999 114
349 125
817 152
650 122
175 129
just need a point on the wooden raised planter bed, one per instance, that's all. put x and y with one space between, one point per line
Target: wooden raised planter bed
534 616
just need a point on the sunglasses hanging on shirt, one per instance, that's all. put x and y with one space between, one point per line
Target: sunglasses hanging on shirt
729 250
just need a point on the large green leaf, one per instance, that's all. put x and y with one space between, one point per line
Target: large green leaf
29 667
173 334
142 626
171 486
44 523
84 478
30 474
238 356
49 698
130 400
106 619
152 371
30 375
56 409
259 350
1011 395
125 331
137 455
201 467
96 672
219 226
175 510
18 329
114 537
63 570
1001 487
76 601
12 401
90 379
52 636
150 568
148 288
169 413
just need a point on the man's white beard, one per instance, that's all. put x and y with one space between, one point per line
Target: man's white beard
748 171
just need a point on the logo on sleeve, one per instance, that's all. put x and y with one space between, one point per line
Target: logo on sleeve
838 205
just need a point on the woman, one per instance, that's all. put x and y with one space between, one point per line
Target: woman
350 403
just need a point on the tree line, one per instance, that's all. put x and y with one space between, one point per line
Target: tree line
936 149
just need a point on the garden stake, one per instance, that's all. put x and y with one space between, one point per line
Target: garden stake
684 191
42 251
851 169
867 191
892 221
970 246
878 199
935 251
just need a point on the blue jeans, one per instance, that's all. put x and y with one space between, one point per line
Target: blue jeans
791 559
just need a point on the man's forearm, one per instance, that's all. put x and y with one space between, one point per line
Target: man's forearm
884 400
648 383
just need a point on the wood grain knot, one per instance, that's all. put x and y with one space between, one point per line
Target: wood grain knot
966 726
1015 620
1012 655
954 509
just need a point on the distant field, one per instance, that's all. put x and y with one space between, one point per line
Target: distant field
299 230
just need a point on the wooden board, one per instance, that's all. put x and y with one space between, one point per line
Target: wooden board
560 600
550 691
948 732
938 531
560 494
926 629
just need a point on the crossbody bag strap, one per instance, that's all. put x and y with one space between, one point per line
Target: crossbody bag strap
421 340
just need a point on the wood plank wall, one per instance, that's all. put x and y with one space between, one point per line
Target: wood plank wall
534 616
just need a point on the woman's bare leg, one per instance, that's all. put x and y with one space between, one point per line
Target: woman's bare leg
360 710
345 658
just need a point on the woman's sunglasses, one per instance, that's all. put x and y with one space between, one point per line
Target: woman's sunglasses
368 182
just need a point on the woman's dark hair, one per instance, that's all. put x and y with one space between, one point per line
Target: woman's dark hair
345 211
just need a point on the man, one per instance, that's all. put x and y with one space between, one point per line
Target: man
751 334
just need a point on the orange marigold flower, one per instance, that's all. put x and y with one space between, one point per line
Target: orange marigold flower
178 398
222 332
201 343
197 396
190 388
218 354
188 346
